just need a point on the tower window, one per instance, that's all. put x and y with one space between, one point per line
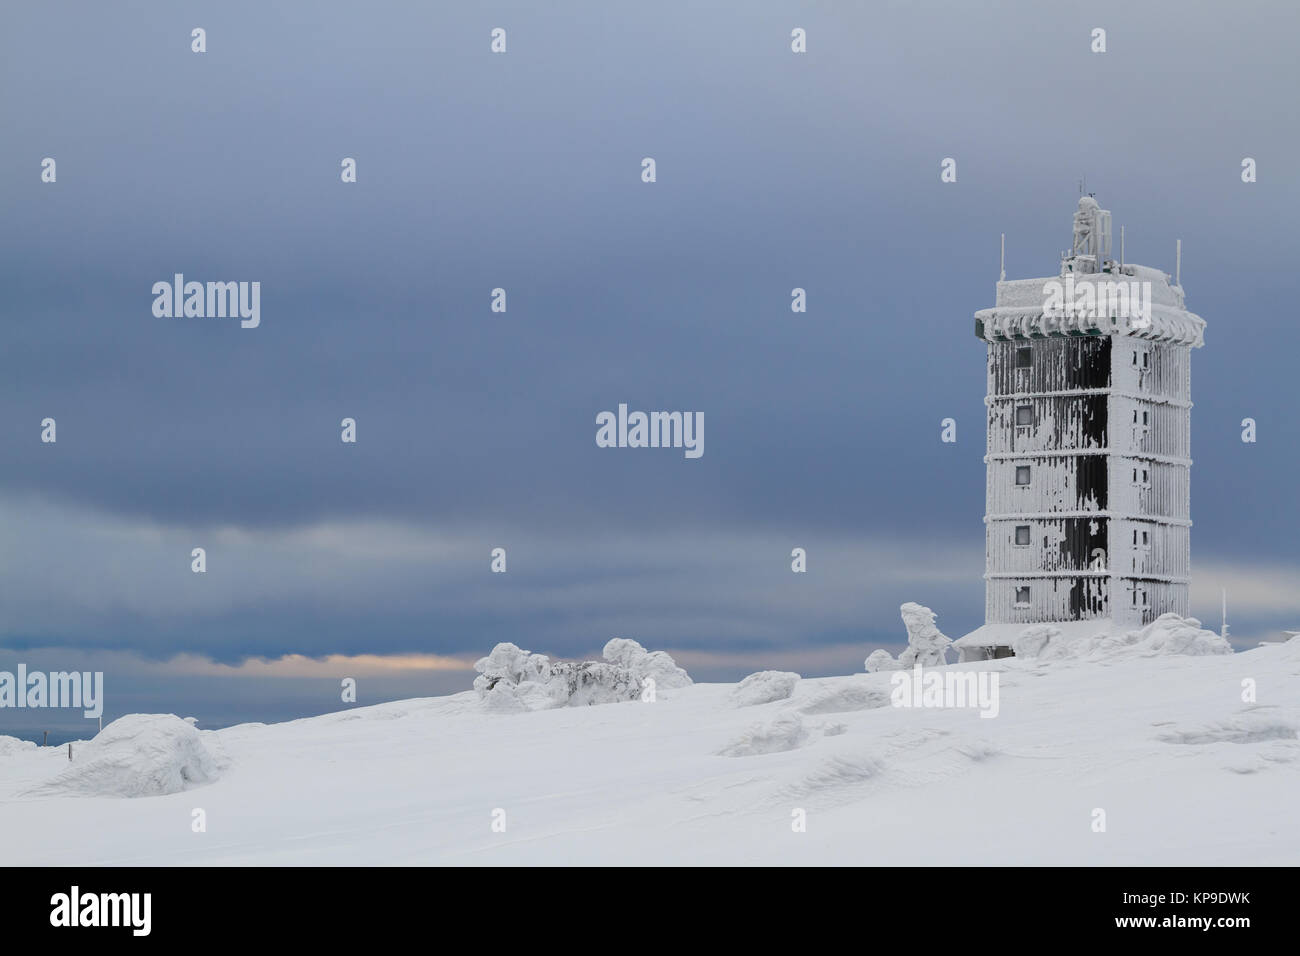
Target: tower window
1022 474
1024 415
1022 534
1022 597
1024 356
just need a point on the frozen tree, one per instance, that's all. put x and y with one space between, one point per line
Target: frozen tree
926 644
513 679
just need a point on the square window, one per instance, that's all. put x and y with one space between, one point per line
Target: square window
1024 356
1022 474
1024 414
1022 534
1022 597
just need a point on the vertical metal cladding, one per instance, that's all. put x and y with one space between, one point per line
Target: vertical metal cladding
1088 465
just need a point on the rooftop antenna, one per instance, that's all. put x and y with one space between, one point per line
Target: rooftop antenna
1002 276
1223 632
1178 265
1121 247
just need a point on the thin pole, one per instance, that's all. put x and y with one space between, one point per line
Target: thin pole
1121 247
1178 265
1002 275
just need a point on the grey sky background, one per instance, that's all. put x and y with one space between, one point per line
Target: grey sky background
476 429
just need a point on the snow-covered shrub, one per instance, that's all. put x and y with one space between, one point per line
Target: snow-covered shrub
139 755
641 664
880 660
513 679
763 688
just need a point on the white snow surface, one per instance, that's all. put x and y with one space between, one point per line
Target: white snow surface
10 745
1187 772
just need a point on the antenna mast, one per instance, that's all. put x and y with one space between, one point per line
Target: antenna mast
1002 275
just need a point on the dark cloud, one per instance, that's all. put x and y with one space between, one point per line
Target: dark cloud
522 171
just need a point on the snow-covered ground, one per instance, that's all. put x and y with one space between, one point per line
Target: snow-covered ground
1185 771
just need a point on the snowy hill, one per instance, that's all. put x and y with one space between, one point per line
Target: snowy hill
1185 771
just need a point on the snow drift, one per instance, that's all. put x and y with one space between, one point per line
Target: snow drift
139 755
788 730
12 745
764 687
1169 634
512 679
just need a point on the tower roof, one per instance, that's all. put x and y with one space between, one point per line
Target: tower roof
1092 295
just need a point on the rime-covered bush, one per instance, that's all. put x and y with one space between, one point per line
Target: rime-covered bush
926 644
513 679
880 660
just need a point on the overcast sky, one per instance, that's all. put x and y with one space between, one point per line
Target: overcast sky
523 171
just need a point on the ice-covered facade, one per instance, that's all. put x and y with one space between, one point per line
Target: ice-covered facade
1088 463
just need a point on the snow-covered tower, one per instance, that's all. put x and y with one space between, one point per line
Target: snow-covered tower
1089 403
